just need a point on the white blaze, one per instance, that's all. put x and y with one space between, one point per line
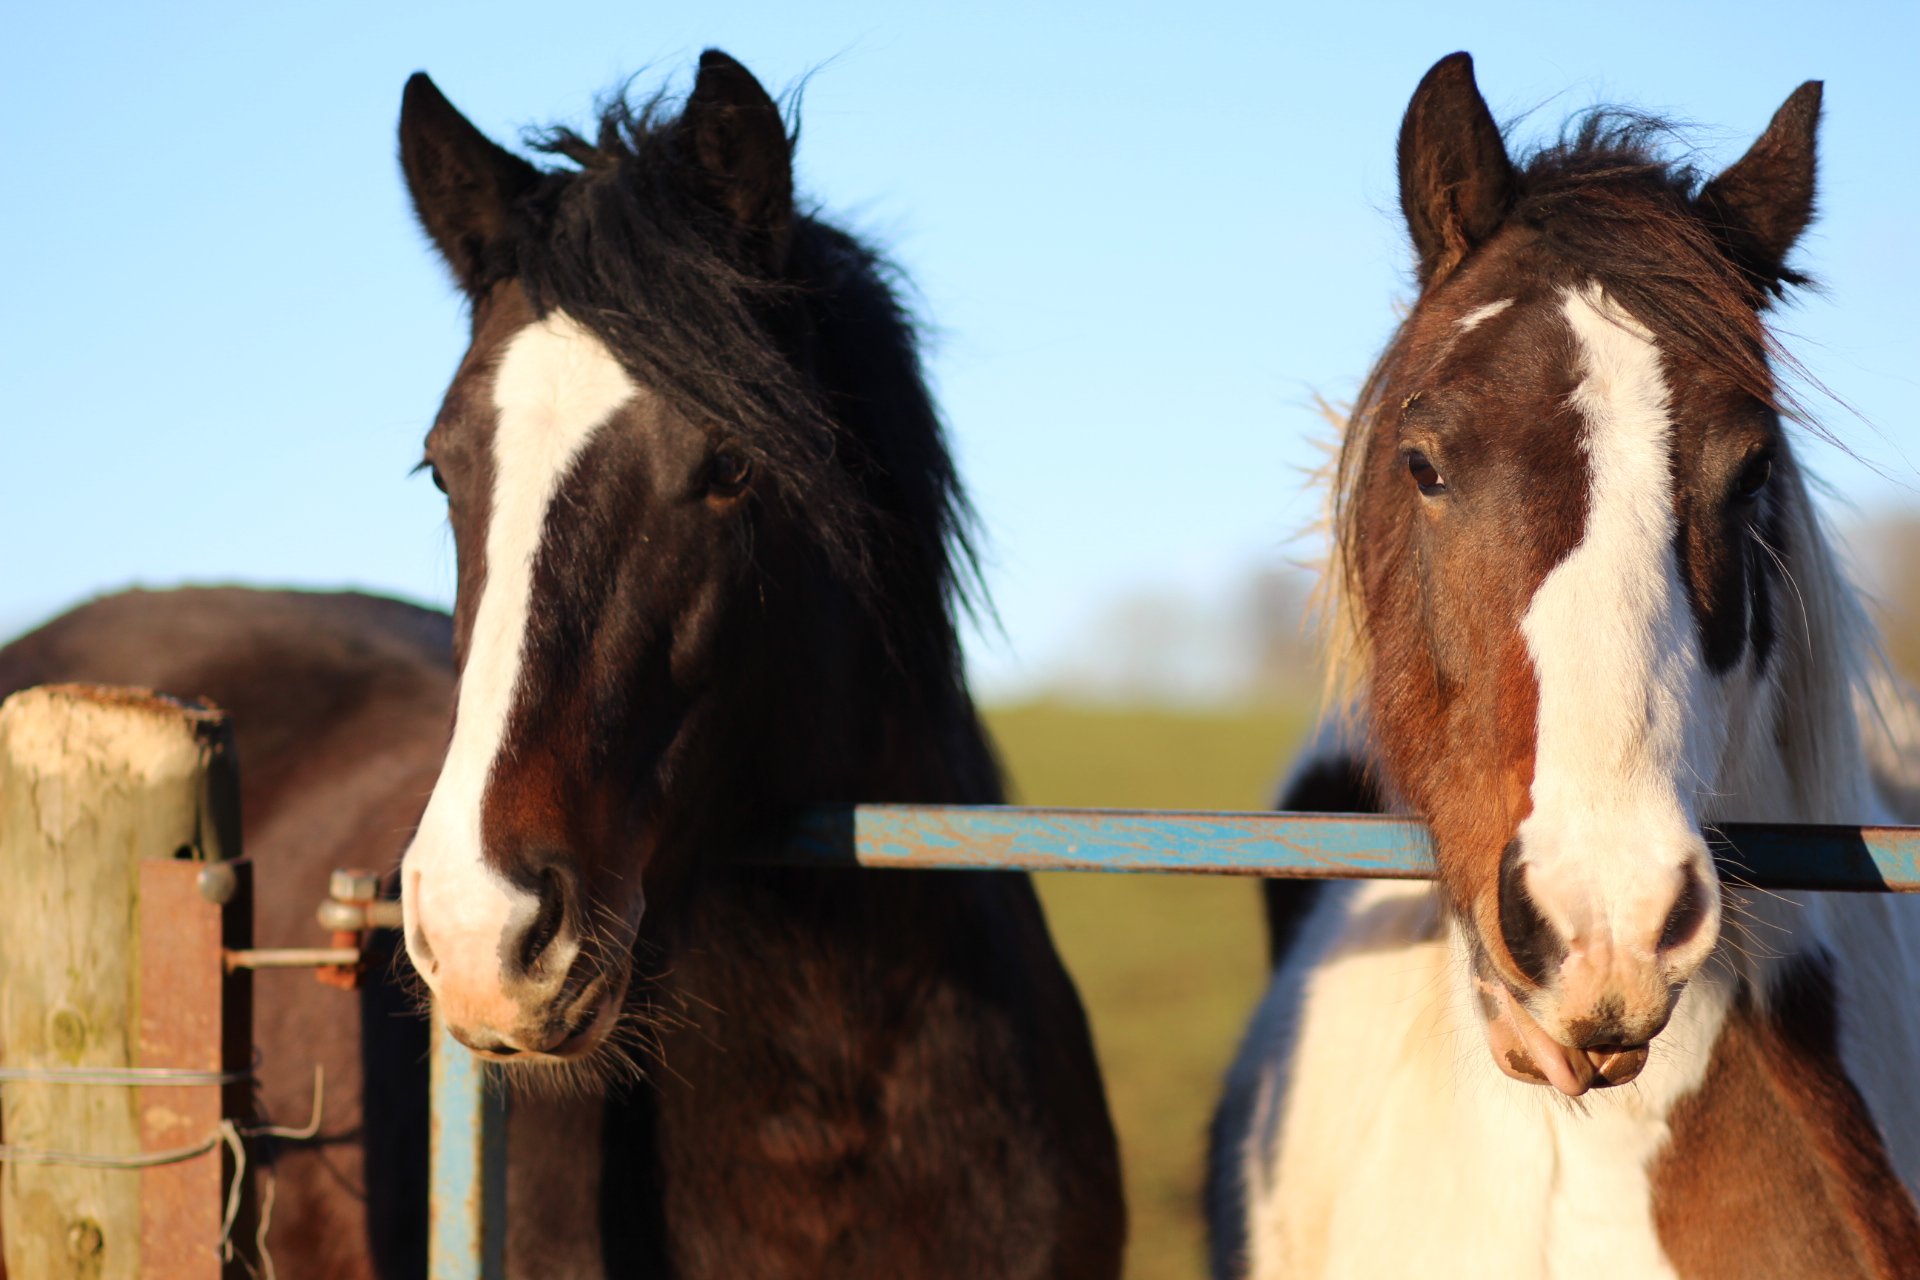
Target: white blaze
555 387
1625 699
1480 315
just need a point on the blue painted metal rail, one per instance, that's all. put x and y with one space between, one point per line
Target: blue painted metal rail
1282 845
469 1176
467 1204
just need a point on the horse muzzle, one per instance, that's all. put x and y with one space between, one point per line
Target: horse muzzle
512 975
1525 1052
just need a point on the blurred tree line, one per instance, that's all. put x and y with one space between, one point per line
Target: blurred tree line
1891 563
1248 642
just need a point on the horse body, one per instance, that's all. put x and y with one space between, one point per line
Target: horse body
897 994
710 543
1584 609
1376 1131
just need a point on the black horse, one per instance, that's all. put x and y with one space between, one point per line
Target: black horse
711 545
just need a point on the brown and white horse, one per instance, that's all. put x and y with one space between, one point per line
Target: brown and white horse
1584 609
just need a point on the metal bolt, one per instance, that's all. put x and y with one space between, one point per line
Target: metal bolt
353 886
217 883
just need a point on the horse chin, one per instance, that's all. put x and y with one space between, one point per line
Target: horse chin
1525 1052
585 1027
595 1013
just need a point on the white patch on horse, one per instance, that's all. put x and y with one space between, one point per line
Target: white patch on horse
1630 720
1367 1115
1480 315
556 386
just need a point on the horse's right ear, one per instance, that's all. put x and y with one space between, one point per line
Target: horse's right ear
1456 181
1763 203
740 157
462 183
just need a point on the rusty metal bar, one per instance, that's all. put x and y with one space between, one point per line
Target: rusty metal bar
196 1016
1281 845
292 957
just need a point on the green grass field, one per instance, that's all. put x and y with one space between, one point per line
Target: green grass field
1169 966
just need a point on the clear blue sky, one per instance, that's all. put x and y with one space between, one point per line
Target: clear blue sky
1147 235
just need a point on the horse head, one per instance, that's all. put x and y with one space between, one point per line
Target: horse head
686 456
1564 514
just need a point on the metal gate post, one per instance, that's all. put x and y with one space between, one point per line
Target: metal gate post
468 1208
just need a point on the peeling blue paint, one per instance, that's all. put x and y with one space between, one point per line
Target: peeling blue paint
467 1230
1298 845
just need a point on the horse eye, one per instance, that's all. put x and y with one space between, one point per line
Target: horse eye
439 481
1424 474
728 472
1753 477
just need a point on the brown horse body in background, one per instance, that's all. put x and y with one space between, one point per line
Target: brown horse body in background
339 707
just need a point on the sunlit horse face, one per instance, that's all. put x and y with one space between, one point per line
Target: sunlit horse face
1562 498
609 544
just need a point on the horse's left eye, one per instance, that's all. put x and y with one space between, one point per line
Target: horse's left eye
728 472
1753 477
1425 474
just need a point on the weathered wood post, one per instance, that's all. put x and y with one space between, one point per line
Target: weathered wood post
123 1039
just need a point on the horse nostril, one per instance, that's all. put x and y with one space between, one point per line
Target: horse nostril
1688 914
419 951
1534 945
549 916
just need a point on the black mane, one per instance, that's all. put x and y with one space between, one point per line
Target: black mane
814 372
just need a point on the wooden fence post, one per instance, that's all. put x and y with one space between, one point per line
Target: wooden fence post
106 796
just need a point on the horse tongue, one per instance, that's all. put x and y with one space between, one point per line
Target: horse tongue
1527 1053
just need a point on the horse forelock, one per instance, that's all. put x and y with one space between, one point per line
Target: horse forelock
812 368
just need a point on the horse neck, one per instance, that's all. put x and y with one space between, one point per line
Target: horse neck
919 740
864 717
1806 761
1803 757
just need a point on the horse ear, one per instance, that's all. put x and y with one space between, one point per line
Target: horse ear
1765 200
462 183
737 144
1455 179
